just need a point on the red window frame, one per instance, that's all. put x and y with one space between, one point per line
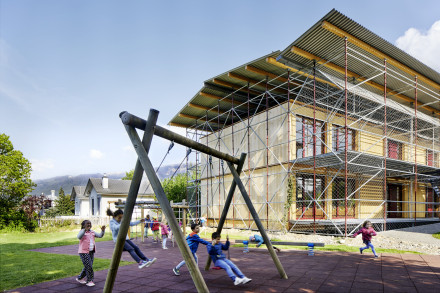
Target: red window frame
394 149
338 144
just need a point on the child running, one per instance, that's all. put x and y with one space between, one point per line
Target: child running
164 232
87 250
367 233
129 246
218 257
193 241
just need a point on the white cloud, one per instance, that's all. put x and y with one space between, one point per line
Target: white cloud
42 165
128 149
96 154
424 46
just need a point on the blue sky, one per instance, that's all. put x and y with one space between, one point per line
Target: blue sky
67 68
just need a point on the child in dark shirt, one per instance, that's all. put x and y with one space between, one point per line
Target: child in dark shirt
219 258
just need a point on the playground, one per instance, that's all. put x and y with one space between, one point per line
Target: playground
324 272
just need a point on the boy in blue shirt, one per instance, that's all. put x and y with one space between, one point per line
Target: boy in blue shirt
193 241
219 258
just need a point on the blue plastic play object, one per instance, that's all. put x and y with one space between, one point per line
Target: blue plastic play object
311 249
246 246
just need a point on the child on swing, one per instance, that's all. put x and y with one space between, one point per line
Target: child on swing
129 246
219 259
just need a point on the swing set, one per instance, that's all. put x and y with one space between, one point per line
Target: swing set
143 164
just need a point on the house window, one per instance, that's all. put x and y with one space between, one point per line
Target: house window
394 150
338 138
304 196
431 158
93 206
304 137
338 197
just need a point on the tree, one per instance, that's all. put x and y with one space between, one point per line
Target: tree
15 182
175 188
32 205
128 175
63 205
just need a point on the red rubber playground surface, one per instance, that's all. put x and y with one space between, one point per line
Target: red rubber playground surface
324 272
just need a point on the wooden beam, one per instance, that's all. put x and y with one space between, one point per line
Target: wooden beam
341 70
235 87
227 100
178 125
269 74
273 61
256 82
205 108
355 41
199 118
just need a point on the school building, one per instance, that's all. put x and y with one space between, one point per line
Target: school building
339 127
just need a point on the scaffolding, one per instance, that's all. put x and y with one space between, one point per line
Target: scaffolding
336 132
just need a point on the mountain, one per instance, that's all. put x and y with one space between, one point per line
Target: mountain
67 182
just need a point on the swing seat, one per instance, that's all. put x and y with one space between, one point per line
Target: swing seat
216 268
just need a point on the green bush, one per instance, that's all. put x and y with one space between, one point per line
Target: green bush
16 220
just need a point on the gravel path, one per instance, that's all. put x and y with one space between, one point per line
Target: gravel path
417 238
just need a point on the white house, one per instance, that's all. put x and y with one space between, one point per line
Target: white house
102 193
81 202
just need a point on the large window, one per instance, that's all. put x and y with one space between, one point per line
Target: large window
338 138
338 197
433 203
304 137
304 196
431 158
394 150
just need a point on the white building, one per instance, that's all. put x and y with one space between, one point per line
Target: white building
101 193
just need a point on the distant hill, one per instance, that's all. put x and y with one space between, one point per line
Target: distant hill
67 182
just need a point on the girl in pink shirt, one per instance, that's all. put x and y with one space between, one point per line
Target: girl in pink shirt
367 232
87 250
164 232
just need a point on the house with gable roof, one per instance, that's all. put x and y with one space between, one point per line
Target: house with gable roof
100 194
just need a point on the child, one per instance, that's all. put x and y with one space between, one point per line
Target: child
129 246
164 232
87 250
147 226
260 240
215 251
193 241
155 230
367 233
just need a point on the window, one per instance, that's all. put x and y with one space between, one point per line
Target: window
394 150
304 196
304 137
431 158
338 197
338 138
93 206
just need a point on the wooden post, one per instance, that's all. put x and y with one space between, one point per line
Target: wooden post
197 277
130 203
227 204
257 220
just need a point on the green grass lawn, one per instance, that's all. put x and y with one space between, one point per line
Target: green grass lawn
436 235
20 267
